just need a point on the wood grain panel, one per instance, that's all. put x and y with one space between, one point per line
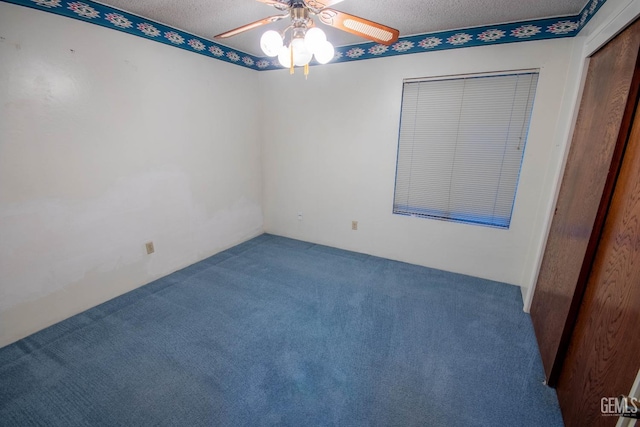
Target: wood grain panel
604 354
601 129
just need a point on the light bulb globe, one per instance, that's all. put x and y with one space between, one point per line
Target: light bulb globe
302 58
271 43
284 57
301 55
325 52
314 38
298 45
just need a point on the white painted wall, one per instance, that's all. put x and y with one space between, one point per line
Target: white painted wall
330 152
108 141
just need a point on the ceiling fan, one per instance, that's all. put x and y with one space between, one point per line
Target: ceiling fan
306 39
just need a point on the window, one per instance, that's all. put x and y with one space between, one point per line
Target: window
461 145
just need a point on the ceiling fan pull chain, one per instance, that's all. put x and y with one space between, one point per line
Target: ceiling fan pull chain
306 71
291 53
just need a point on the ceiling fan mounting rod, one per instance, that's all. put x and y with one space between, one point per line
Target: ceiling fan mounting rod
300 16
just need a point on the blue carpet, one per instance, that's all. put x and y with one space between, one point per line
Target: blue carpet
282 332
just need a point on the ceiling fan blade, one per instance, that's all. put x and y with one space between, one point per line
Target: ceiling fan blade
275 2
319 4
359 26
250 26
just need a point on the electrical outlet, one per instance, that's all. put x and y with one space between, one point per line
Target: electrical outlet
354 225
150 248
299 216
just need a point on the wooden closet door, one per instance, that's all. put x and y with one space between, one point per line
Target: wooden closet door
601 130
604 351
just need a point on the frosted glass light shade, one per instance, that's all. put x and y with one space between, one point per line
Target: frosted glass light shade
303 58
314 38
284 57
325 52
301 55
271 43
298 45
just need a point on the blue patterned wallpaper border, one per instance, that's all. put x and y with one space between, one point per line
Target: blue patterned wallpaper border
116 19
106 16
540 29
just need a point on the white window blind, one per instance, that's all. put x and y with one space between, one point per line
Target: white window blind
461 145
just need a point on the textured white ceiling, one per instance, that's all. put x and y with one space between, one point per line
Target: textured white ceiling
206 18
